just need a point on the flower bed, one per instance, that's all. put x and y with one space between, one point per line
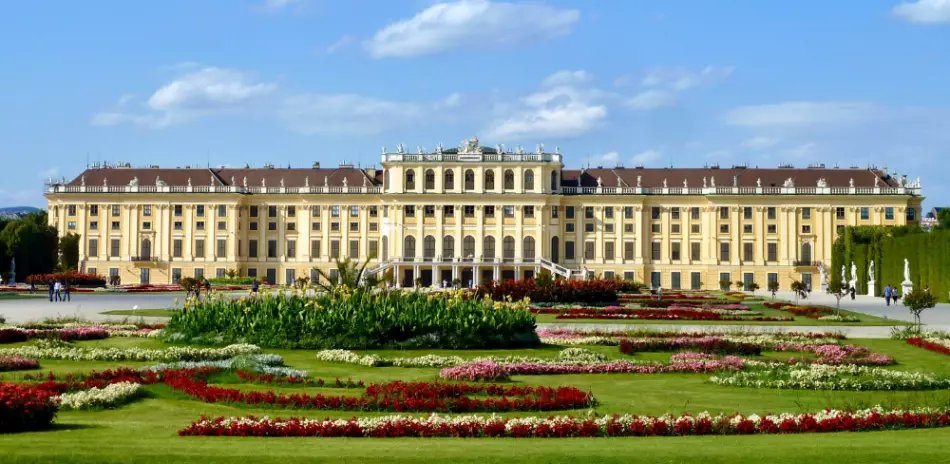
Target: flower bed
606 337
484 371
685 314
710 344
872 419
933 344
348 318
727 363
73 277
16 363
16 334
175 353
825 377
838 354
564 291
25 407
96 398
272 379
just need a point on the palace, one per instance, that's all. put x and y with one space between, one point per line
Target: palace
475 213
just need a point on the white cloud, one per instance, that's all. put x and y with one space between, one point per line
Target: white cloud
192 96
682 79
126 99
610 157
924 11
804 150
646 157
718 155
561 111
452 101
51 172
565 77
800 114
273 5
759 143
346 114
651 99
471 24
342 42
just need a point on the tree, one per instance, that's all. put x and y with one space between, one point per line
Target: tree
352 274
943 219
838 290
231 273
773 287
190 285
753 287
917 301
69 251
34 244
740 285
544 279
725 284
798 288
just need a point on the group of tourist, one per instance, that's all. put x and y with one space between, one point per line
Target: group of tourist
58 290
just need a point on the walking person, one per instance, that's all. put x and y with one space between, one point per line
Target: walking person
58 290
852 293
888 292
51 288
66 287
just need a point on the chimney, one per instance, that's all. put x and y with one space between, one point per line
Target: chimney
316 165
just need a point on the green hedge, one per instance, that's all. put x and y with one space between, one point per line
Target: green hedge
234 281
928 253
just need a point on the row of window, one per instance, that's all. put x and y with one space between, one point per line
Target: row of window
448 180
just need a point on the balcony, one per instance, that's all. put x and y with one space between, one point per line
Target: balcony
144 259
806 263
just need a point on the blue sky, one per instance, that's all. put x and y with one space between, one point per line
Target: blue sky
636 82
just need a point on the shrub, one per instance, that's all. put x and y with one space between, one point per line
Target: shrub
73 277
232 280
560 291
25 407
358 318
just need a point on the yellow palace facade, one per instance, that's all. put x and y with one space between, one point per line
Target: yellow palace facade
473 214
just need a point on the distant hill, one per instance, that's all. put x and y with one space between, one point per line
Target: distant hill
14 212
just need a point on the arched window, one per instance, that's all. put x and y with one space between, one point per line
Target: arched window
469 180
554 181
489 180
448 246
449 180
410 179
488 248
146 250
528 252
409 248
555 249
529 180
508 247
428 247
385 250
806 252
430 179
468 247
509 180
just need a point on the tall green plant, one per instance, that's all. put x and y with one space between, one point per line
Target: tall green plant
351 274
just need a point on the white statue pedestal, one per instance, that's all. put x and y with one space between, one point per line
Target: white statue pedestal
871 288
906 287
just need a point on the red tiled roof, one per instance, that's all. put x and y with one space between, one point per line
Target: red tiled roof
228 176
744 177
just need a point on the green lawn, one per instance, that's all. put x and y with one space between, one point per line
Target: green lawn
865 320
141 312
23 296
145 431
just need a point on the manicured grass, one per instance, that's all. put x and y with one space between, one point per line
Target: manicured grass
23 296
145 431
865 320
141 312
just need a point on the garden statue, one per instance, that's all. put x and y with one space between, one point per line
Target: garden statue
843 279
877 181
134 182
758 182
907 285
306 181
685 184
871 278
189 182
326 181
735 181
851 182
712 181
245 181
540 148
822 277
438 148
854 275
263 182
638 181
704 181
232 180
82 180
664 182
599 182
345 183
281 182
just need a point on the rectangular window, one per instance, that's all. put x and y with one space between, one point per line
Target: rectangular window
748 253
588 227
806 229
865 213
354 211
147 210
252 248
469 211
354 227
373 211
747 212
772 277
253 211
675 213
609 228
675 251
114 248
724 251
176 275
694 251
806 213
252 226
373 248
695 280
200 248
240 249
772 252
176 248
272 211
199 273
200 225
200 210
315 226
694 213
272 248
588 212
694 228
839 214
428 211
115 210
374 227
771 228
889 213
723 228
71 225
723 212
675 228
628 251
410 211
222 248
93 247
334 227
509 211
529 211
315 248
911 215
569 249
588 250
252 272
628 212
746 228
222 210
334 249
569 227
354 249
315 211
489 211
655 251
222 225
609 212
291 249
220 273
675 281
609 250
271 226
569 212
94 210
628 275
628 228
723 278
554 212
609 275
770 212
655 212
115 225
291 211
655 228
